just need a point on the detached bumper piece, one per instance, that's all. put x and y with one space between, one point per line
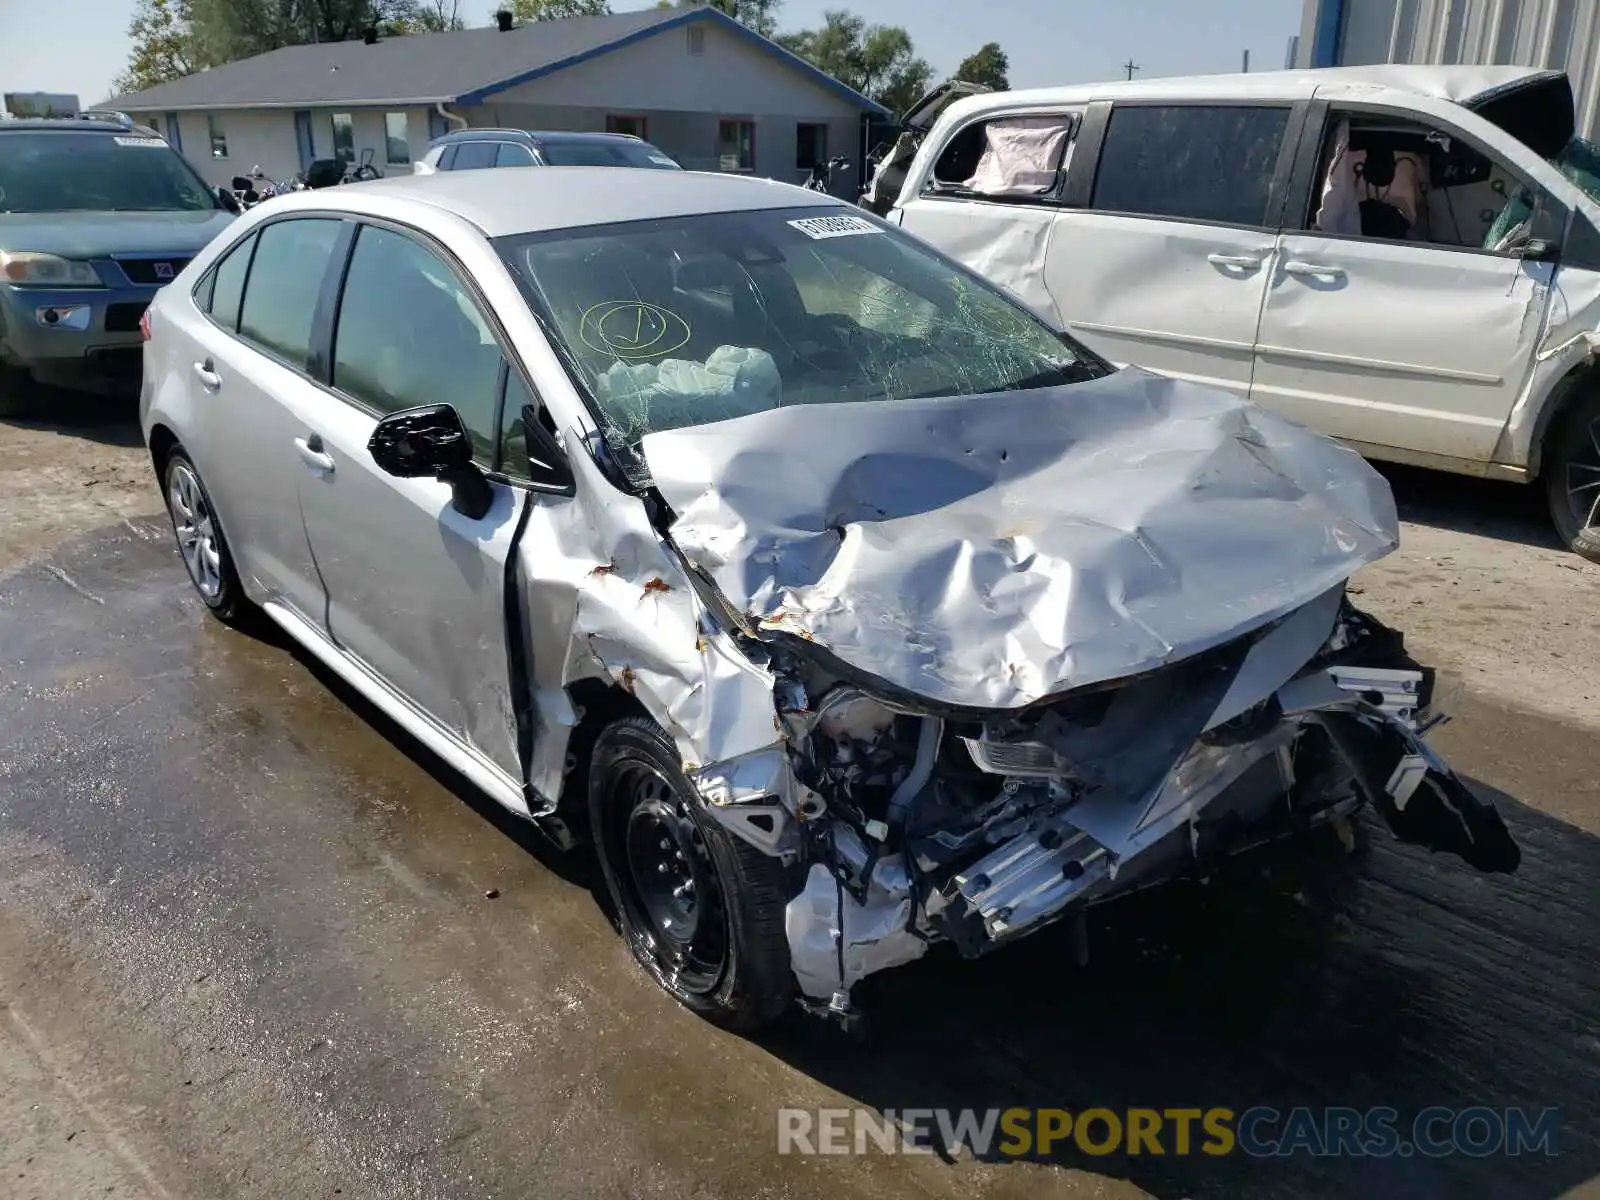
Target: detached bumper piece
1327 743
1418 795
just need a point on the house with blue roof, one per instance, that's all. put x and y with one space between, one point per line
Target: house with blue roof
711 92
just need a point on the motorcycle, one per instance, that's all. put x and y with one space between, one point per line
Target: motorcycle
322 173
250 190
821 177
365 171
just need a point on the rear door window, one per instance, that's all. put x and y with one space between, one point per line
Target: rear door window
1192 162
473 155
280 299
226 288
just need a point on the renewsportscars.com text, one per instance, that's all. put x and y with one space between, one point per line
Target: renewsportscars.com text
1259 1131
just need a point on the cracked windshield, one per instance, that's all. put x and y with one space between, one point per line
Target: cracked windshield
700 319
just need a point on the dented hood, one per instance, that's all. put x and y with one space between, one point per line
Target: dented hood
985 551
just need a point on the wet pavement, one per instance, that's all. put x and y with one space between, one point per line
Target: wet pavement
246 921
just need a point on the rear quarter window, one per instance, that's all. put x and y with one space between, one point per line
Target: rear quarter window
1191 162
222 292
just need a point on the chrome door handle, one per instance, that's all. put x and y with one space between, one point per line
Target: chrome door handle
1295 267
312 454
208 377
1243 262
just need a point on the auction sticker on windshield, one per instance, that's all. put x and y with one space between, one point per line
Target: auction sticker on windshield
818 228
139 141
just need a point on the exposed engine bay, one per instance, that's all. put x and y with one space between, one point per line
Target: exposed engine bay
976 829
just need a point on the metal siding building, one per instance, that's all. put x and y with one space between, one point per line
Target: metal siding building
1563 34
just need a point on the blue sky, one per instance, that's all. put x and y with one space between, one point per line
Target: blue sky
79 45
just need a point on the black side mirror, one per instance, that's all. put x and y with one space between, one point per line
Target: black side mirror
431 440
228 200
240 182
548 468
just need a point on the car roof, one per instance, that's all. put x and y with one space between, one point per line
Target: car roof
531 135
1460 84
74 125
502 203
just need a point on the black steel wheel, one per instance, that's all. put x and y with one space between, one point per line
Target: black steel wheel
1572 477
701 910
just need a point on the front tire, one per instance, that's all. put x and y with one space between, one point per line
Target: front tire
201 543
702 911
1572 478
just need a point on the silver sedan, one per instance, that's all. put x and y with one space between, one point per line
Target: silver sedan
842 604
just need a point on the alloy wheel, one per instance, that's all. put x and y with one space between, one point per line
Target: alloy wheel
196 528
1583 477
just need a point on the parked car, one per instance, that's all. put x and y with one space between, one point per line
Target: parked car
473 149
846 604
95 215
1405 257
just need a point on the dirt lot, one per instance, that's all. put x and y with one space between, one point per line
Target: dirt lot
234 904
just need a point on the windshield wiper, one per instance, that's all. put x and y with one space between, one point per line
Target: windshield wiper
1061 373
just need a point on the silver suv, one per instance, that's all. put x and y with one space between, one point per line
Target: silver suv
476 149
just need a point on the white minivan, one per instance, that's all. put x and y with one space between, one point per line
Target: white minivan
1407 258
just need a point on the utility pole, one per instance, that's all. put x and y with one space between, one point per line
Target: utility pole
1247 62
1130 67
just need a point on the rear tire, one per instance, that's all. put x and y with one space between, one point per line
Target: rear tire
1572 477
201 543
701 910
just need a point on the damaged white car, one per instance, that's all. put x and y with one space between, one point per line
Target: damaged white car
848 607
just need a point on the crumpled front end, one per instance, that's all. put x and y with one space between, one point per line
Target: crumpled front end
1019 653
978 829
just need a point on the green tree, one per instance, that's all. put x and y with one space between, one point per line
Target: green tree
433 16
760 15
878 61
227 30
163 46
988 66
556 10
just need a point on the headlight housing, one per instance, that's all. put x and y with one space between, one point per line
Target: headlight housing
33 269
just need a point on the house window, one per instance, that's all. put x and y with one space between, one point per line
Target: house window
634 126
219 138
396 139
736 145
344 137
810 145
697 39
